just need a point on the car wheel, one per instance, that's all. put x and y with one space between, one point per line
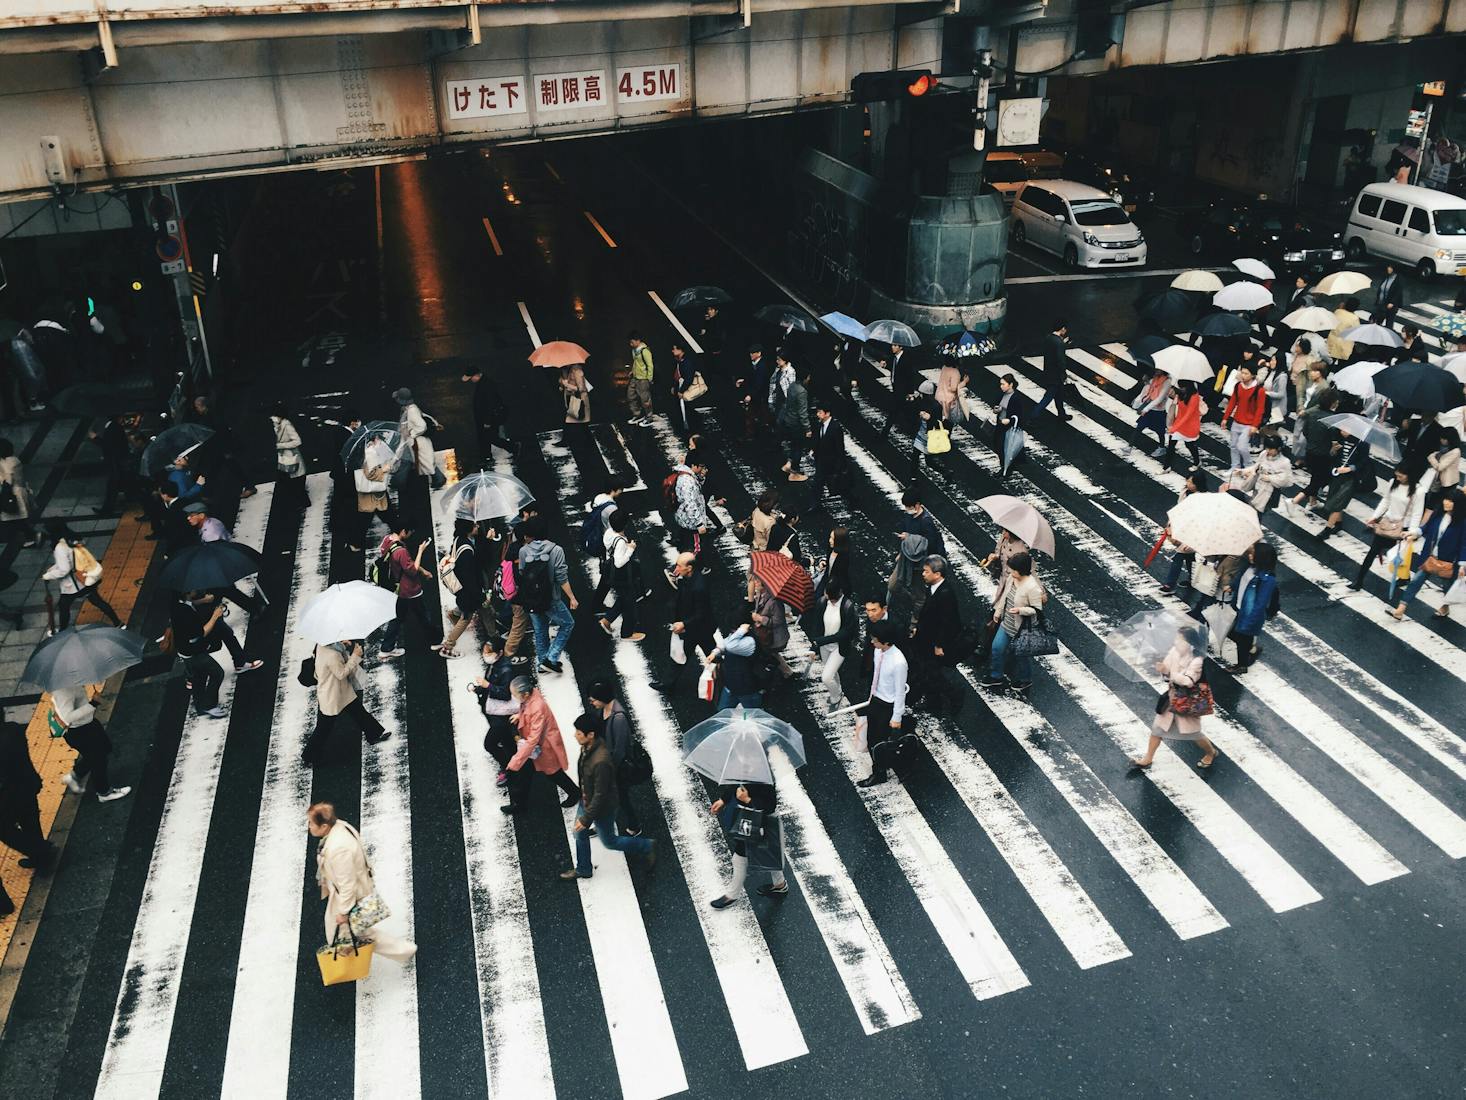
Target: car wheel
1355 249
1197 244
1425 270
1020 234
1071 256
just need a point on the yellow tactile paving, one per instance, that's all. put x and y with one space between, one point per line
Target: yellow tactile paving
124 565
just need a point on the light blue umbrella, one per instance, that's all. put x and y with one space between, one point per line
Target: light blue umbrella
845 325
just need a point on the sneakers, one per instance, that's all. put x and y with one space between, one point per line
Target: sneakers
551 666
990 682
604 625
74 785
672 578
1159 452
391 654
721 903
214 712
377 740
520 661
1168 589
114 794
248 666
769 890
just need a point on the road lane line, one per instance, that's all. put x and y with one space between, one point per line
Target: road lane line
512 1014
645 1048
1254 859
753 990
387 1055
672 317
601 229
142 1023
960 921
534 336
618 457
551 169
257 1057
493 237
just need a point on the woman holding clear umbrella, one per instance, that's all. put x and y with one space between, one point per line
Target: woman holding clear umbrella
1351 468
1180 708
733 806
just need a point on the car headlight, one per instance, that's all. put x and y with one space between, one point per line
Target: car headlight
1336 254
1292 257
1442 253
1090 238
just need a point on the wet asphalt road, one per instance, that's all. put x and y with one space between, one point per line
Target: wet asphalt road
1321 982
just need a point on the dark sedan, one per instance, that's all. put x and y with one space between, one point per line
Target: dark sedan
1287 239
1130 190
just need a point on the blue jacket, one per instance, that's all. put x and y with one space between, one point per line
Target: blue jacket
1449 547
1260 602
185 486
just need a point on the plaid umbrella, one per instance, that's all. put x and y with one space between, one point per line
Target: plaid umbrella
558 353
787 579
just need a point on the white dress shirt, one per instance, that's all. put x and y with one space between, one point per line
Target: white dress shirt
888 682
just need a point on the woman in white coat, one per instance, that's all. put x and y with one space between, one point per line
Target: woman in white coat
289 462
75 585
345 878
412 426
1182 668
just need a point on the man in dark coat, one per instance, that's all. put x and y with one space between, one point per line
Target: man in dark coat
935 640
1389 297
829 450
693 621
753 389
489 414
1056 370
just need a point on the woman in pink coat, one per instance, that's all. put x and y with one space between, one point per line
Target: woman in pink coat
538 744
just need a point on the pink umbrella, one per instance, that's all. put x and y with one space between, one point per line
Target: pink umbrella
558 353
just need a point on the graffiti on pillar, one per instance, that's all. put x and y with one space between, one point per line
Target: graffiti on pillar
825 247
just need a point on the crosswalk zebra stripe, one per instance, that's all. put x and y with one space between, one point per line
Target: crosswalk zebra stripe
753 992
516 1046
1074 917
1258 863
1331 827
861 958
142 1024
387 1052
257 1056
617 456
642 1041
1426 643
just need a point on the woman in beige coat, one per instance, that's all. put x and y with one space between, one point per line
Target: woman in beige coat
575 393
338 692
1182 668
345 878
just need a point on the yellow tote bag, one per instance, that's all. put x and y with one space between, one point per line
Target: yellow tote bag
344 962
938 441
1221 379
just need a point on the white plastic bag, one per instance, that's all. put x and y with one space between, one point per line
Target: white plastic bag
707 683
677 649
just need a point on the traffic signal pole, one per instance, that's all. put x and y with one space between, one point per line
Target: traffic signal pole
982 75
190 313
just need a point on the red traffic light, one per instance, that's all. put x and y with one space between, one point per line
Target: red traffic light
896 84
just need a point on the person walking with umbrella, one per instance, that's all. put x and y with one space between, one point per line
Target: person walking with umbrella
1180 708
540 747
211 529
600 794
744 800
415 446
72 709
1012 414
1023 600
1183 421
78 574
575 395
20 814
199 630
1318 447
468 601
338 691
1351 472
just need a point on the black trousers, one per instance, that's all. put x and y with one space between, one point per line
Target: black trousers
20 828
627 820
1377 545
90 595
499 741
488 436
94 747
230 642
206 676
878 732
251 605
689 644
519 784
1246 654
325 723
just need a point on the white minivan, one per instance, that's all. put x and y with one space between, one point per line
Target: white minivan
1417 227
1083 224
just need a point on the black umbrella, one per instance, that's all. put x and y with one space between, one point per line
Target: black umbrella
783 316
1168 310
210 565
701 296
1142 349
1420 387
102 399
1222 323
169 444
82 655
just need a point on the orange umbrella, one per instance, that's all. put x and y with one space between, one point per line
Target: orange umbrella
558 353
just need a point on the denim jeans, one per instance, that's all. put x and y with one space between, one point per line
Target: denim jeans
1178 563
1416 583
606 831
1240 438
728 699
1022 666
559 616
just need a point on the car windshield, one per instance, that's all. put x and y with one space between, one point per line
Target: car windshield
1099 213
1006 171
1451 223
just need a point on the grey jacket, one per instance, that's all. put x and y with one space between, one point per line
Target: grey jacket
545 550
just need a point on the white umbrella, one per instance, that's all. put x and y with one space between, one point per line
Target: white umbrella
1377 335
1183 364
892 332
1343 282
1021 518
1205 281
1256 268
350 610
1357 378
1215 523
1244 295
1455 363
1311 319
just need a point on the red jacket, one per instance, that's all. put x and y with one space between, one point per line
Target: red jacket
1247 406
538 730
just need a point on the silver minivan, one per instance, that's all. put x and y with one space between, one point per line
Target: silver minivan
1416 227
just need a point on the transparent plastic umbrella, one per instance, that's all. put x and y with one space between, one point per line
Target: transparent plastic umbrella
374 444
1243 294
732 746
487 495
1380 436
700 296
892 332
845 325
1134 648
796 319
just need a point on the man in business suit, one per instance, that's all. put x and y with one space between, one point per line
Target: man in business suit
1299 297
934 642
1056 370
904 372
1389 298
829 450
752 384
693 621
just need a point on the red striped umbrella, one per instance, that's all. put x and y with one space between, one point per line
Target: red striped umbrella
786 578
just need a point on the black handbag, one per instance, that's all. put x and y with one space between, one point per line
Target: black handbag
9 504
746 823
1036 639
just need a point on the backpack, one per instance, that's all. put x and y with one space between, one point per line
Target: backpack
381 569
637 767
593 530
669 491
307 674
533 585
